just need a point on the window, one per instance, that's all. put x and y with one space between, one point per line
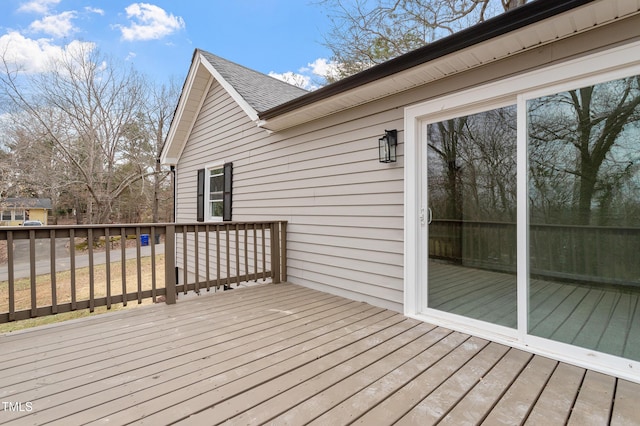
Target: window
6 215
19 215
215 199
214 193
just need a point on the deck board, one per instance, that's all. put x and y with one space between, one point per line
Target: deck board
284 354
593 405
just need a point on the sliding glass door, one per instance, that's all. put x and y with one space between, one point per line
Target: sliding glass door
471 193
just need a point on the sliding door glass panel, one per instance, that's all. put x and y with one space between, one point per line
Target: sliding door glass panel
584 217
471 192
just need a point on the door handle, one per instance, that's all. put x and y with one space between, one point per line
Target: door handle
430 217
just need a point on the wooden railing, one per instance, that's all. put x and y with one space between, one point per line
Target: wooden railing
593 254
55 269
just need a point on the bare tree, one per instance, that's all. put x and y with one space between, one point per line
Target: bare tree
83 107
368 32
159 113
583 148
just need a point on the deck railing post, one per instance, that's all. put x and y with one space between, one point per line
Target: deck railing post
170 264
283 251
275 252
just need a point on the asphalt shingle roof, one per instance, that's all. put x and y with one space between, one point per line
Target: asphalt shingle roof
261 91
26 203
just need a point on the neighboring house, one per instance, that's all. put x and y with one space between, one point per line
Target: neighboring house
513 209
14 211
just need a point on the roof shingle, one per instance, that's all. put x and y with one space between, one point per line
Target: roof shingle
261 91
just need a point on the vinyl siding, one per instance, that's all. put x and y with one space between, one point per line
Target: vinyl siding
345 209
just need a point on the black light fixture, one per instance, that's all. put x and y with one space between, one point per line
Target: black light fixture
387 146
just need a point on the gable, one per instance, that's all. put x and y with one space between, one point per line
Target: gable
252 91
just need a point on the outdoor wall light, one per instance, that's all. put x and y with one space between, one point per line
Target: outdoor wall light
387 146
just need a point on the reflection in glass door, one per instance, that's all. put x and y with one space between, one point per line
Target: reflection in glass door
584 217
471 173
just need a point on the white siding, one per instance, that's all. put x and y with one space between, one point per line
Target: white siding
345 209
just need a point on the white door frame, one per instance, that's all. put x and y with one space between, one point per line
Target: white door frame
618 62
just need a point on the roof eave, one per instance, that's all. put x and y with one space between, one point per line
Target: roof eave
507 22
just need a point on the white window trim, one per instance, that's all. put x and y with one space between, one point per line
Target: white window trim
207 186
612 64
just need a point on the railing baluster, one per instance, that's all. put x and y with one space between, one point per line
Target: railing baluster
217 257
54 289
139 264
32 269
264 254
153 263
107 265
123 264
246 253
169 264
196 250
283 254
275 253
91 271
206 256
228 282
72 265
185 272
255 252
237 277
10 275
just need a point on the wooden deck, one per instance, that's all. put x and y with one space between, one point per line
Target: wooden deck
283 354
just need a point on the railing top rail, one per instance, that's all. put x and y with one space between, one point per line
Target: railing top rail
62 231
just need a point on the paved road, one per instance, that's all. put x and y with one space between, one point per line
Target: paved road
63 261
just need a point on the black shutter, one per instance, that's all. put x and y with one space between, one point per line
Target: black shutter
200 200
228 186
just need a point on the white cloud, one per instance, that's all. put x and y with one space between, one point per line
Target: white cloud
311 77
55 25
322 67
94 10
292 78
152 22
38 6
33 56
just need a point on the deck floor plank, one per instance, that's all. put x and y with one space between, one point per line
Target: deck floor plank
475 405
152 377
451 390
556 401
268 406
625 405
401 402
281 376
515 405
594 402
151 334
146 347
285 354
146 374
437 342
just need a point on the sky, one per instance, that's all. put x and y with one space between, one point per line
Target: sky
282 38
